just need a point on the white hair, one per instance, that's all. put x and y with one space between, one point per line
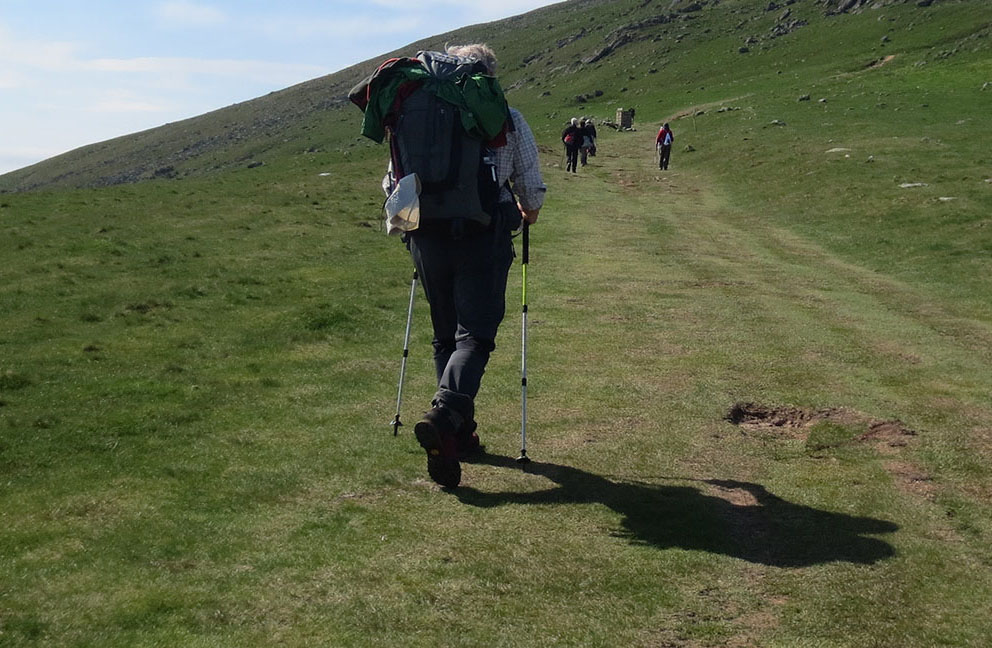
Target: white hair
478 51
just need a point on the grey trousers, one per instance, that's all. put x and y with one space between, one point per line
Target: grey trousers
463 271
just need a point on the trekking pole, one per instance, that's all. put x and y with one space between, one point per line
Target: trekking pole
523 458
406 351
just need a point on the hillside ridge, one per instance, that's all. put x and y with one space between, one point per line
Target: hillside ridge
582 45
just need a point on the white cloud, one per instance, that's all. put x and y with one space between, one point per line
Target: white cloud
502 9
191 13
347 28
28 152
46 55
125 101
10 79
246 70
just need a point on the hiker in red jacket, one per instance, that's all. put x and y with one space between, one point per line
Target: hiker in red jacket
571 137
664 145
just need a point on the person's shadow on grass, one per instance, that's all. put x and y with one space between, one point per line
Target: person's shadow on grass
738 519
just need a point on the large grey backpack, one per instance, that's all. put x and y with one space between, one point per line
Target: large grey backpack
457 172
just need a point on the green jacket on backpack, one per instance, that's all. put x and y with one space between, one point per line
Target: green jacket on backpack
478 97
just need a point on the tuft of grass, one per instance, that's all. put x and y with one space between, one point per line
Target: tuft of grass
828 434
11 380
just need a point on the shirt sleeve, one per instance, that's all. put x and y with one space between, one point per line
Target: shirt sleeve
524 172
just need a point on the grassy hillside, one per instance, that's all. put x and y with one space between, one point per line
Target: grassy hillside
759 384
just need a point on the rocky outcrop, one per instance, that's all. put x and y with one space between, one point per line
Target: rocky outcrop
627 34
834 7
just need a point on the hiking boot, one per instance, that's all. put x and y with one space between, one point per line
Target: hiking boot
467 442
436 434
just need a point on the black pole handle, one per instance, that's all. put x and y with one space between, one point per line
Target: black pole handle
526 236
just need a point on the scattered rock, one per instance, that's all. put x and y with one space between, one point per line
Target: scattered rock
871 158
689 148
778 122
838 150
824 100
743 50
910 185
255 165
785 28
805 97
946 198
571 39
846 6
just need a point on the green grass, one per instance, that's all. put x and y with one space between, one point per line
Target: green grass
197 374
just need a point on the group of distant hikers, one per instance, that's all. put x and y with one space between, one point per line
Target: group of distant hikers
463 179
579 138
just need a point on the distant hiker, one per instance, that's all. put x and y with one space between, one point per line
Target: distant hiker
588 134
571 137
663 143
462 253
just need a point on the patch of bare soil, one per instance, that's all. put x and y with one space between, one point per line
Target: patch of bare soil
911 479
882 61
797 420
888 436
792 422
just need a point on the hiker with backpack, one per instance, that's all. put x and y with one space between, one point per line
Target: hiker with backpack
571 137
663 143
588 134
478 179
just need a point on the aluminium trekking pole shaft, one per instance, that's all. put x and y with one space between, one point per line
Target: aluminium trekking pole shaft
406 352
523 458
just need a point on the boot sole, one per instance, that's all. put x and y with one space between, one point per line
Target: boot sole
446 471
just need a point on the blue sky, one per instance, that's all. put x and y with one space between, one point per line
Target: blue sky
74 72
